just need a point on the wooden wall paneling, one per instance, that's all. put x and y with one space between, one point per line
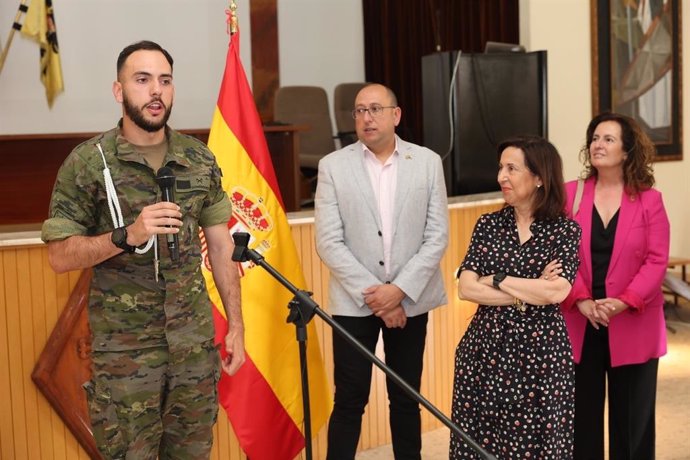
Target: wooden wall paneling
14 335
32 296
40 333
314 283
319 442
225 444
325 337
24 415
309 264
50 294
66 445
64 365
380 418
48 416
28 326
218 441
435 367
432 368
449 326
7 267
224 437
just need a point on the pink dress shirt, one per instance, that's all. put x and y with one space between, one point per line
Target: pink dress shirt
383 178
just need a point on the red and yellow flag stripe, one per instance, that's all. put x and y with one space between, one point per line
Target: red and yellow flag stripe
263 400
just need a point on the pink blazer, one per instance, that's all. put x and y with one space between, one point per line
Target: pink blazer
636 272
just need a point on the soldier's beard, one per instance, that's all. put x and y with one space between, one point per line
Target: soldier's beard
137 115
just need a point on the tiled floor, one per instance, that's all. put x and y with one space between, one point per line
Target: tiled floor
673 403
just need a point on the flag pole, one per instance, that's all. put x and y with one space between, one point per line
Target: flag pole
232 18
13 30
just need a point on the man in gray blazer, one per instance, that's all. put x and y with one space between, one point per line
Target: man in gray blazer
381 228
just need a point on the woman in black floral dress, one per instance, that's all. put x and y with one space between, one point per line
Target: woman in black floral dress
514 377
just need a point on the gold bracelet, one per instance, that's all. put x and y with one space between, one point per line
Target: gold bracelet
520 305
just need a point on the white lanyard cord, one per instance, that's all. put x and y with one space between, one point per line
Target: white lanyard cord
116 211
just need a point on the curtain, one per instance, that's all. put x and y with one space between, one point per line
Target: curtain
397 33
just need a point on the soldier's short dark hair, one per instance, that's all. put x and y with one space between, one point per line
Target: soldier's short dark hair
142 45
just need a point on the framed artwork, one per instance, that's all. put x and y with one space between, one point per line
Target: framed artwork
636 67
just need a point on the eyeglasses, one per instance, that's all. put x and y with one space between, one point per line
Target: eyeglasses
374 110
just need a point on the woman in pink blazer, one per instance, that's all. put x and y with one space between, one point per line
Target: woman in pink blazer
614 313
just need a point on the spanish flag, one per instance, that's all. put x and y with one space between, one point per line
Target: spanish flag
39 25
263 400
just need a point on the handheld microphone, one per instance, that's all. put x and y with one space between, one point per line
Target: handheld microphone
166 181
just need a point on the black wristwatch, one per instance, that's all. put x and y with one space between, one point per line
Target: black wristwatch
498 278
119 239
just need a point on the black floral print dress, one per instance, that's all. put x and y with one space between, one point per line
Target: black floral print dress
514 387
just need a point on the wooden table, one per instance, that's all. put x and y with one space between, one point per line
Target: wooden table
674 262
683 262
283 144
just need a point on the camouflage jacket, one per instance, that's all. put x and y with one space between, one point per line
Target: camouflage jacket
128 309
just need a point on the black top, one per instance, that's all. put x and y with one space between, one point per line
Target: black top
601 247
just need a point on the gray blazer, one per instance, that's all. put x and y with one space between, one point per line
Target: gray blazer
347 224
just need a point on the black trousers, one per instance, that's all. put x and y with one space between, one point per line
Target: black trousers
632 402
404 349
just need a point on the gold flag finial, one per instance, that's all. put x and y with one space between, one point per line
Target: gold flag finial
231 12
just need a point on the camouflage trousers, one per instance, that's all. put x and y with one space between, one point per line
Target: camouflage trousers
151 403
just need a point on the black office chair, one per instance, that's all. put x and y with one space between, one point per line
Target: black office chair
307 105
343 103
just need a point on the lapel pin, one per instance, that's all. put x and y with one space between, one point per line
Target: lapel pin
408 156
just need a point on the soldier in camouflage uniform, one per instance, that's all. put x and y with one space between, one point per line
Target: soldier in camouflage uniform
155 367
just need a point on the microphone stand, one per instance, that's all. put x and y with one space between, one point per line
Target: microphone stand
302 309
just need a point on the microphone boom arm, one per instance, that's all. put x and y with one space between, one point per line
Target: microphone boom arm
302 310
